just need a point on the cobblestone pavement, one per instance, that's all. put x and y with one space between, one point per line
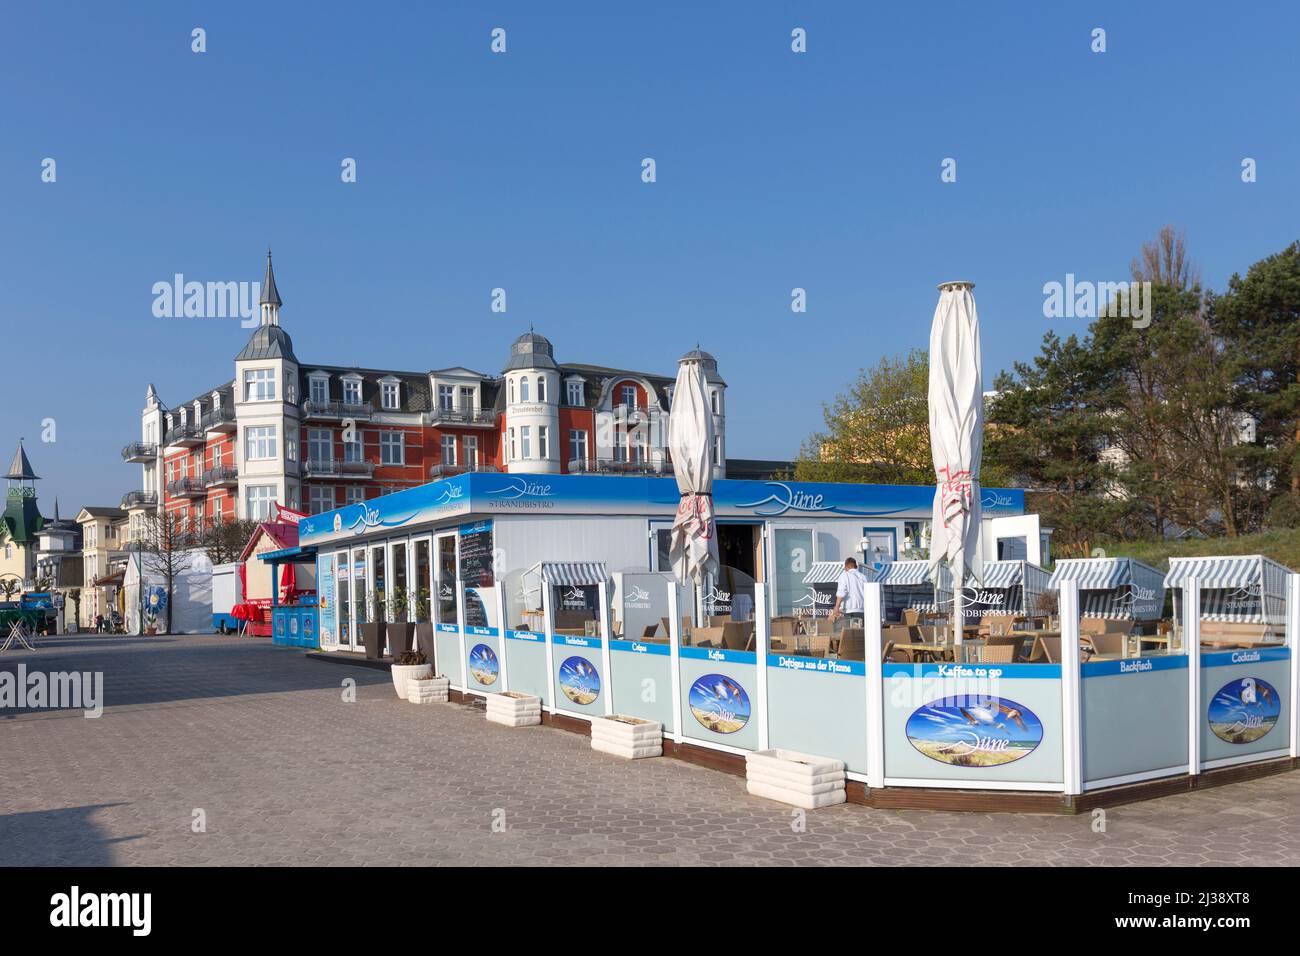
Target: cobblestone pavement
259 738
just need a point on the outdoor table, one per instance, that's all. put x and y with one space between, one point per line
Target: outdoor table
18 633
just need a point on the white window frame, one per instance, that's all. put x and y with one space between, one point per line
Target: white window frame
260 443
259 385
578 441
470 444
525 441
627 396
316 437
447 397
543 441
390 395
541 388
388 440
318 387
448 443
524 392
575 393
254 497
352 390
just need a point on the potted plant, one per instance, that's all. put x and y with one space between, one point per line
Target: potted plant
374 632
411 664
399 630
424 626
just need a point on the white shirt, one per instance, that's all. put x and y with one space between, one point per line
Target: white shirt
849 590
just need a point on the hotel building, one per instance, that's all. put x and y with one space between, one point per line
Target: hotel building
315 436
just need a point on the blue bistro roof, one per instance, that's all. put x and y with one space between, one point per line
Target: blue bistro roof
517 494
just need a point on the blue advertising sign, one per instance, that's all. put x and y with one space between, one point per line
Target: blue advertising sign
626 495
974 731
1244 710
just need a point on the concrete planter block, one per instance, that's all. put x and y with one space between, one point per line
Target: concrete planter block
627 731
794 797
627 752
802 780
430 690
402 674
513 709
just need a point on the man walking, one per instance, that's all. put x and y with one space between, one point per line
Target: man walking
849 595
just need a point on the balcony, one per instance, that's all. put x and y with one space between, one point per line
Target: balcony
224 476
442 470
187 488
186 436
336 410
337 469
219 421
140 452
139 499
463 418
608 466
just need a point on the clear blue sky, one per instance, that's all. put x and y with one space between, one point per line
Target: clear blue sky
775 170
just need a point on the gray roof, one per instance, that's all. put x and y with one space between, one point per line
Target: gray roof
103 511
270 294
707 362
531 350
20 467
267 342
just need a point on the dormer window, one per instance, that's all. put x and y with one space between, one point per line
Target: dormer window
390 396
574 393
352 391
446 397
627 395
320 389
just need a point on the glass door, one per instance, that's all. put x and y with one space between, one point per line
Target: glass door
357 610
792 554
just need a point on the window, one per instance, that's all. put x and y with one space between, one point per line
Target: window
257 501
717 449
513 454
354 450
449 449
392 448
466 398
620 445
352 391
577 445
354 493
320 499
541 388
575 393
320 444
320 390
291 387
512 391
628 393
259 385
525 435
523 389
713 400
259 443
290 448
543 441
470 444
446 397
390 392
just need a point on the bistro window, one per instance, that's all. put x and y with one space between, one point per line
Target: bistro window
352 392
390 395
257 501
449 449
392 448
259 443
259 385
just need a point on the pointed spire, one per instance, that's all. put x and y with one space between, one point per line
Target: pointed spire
270 294
20 469
56 510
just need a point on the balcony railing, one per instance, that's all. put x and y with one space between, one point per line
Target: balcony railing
222 475
315 468
140 452
187 488
336 410
609 466
139 499
186 436
443 470
219 420
463 417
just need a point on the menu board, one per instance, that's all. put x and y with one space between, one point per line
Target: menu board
476 554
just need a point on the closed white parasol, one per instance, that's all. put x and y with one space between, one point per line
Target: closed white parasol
694 550
956 435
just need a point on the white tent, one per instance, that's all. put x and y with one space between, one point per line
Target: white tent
191 598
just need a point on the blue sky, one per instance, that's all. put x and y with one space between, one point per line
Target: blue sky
522 171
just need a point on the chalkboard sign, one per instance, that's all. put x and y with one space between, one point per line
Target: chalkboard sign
476 554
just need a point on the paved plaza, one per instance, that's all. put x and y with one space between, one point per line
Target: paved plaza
284 771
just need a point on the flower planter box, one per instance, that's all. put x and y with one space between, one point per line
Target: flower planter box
399 638
801 780
513 709
428 690
404 672
629 737
372 634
